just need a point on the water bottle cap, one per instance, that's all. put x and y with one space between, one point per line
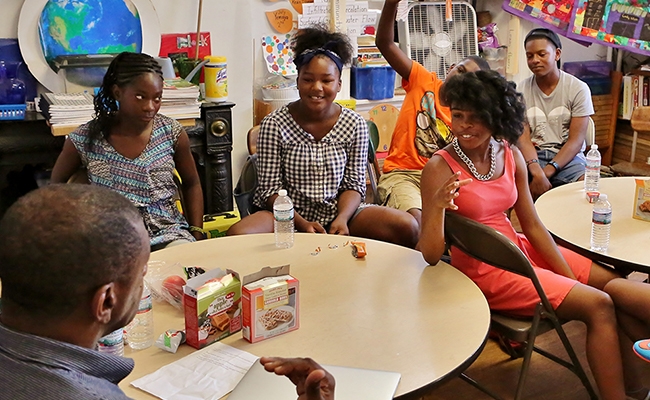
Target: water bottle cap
594 146
282 192
602 196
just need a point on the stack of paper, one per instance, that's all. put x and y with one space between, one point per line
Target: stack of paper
67 108
180 99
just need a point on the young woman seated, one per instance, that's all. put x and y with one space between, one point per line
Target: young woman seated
317 151
481 175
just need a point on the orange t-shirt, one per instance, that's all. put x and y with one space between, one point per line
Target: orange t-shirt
422 125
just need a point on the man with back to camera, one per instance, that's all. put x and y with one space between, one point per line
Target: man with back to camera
423 123
65 284
77 278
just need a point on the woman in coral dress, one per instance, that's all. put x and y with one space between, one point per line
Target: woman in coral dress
481 175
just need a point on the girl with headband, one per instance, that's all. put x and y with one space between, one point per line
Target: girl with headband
317 151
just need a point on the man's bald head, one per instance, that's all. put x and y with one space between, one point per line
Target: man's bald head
62 242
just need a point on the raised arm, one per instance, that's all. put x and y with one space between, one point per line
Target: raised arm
385 40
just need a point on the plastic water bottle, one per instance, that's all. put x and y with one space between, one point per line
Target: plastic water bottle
592 170
140 330
113 343
601 222
283 220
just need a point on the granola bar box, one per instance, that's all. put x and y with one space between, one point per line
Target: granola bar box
270 303
212 305
642 200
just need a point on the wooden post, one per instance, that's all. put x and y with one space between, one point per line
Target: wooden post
198 30
337 16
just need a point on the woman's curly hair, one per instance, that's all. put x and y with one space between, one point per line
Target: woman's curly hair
492 98
124 68
317 36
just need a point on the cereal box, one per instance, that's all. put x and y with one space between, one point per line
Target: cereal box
212 303
269 303
642 200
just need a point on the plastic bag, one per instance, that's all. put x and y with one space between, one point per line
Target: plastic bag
166 280
487 36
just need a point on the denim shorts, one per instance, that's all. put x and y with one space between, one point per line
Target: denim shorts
570 173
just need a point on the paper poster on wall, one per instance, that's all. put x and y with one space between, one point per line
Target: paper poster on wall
278 55
359 19
553 14
175 43
281 20
614 23
296 4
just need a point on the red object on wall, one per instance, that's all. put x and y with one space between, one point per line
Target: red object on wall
175 43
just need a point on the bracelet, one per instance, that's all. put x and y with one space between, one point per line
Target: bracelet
533 161
554 165
196 229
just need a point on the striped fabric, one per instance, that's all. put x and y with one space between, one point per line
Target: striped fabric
313 173
146 180
35 367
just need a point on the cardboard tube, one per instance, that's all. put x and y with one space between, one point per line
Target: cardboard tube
198 30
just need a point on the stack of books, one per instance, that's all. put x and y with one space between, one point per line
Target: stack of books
180 99
63 109
368 55
635 91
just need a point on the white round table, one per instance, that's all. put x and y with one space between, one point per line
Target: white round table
566 213
390 311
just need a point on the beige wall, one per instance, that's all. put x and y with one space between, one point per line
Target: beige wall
235 25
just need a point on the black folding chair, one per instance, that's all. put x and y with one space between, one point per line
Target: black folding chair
492 247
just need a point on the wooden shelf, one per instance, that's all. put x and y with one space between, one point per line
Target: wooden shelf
62 130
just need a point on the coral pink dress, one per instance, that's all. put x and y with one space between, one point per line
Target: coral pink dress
486 202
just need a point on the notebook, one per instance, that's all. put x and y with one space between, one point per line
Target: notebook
351 384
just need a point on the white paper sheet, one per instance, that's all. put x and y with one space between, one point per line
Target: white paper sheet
207 374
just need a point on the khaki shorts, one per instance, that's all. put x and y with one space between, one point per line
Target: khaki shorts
400 189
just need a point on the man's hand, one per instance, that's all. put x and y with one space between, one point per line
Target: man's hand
311 380
539 185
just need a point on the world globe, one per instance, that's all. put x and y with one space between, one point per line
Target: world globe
82 27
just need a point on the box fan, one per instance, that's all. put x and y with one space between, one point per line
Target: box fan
428 38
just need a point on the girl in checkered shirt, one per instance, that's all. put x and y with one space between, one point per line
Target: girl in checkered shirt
317 151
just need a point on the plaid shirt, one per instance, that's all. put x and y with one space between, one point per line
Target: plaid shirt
314 173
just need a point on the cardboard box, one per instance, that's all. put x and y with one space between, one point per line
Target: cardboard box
212 304
642 200
270 305
216 225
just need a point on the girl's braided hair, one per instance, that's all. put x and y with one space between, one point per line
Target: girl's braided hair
122 71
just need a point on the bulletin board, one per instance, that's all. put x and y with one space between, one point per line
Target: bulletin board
552 14
617 23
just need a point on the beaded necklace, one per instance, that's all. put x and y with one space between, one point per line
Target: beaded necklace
470 164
